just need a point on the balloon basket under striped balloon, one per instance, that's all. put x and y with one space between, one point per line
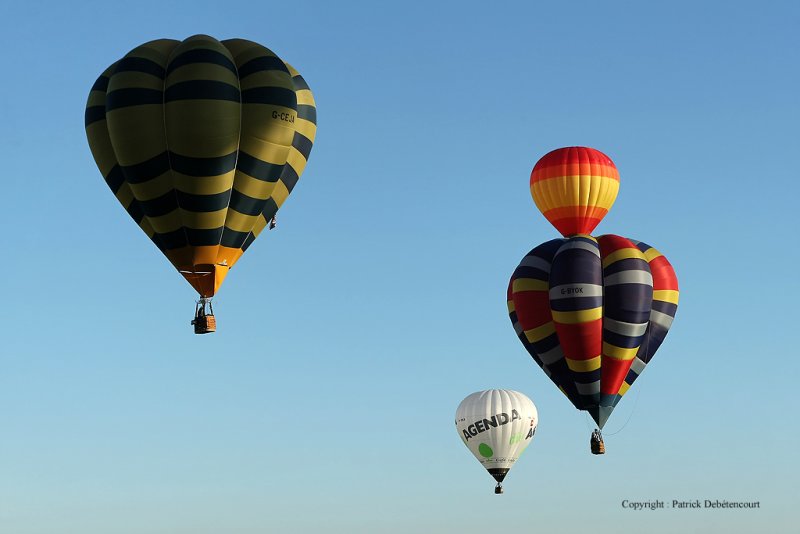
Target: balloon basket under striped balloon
598 447
204 321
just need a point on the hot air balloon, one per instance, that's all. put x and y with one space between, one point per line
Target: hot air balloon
496 425
574 188
591 311
201 141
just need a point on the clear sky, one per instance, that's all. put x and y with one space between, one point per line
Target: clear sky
349 335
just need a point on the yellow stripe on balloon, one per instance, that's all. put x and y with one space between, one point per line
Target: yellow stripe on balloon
154 188
296 160
239 222
304 96
579 316
599 191
305 128
650 254
166 223
252 187
540 332
280 193
621 254
619 353
138 79
203 185
666 295
584 366
280 134
511 307
261 223
125 196
203 220
624 388
203 71
529 284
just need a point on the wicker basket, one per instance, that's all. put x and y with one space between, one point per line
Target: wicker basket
598 447
204 324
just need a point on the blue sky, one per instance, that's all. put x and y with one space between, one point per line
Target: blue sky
349 335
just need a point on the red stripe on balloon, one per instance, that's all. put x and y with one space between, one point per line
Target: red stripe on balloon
663 274
612 375
574 161
533 308
611 243
581 341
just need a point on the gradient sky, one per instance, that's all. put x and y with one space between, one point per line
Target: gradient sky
349 335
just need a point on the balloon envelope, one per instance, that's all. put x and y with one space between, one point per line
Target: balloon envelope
496 425
201 141
574 187
592 312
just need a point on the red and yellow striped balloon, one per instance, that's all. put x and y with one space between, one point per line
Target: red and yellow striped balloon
574 188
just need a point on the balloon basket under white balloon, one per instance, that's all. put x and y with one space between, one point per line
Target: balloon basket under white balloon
498 489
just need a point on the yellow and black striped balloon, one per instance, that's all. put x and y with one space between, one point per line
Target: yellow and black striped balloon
201 141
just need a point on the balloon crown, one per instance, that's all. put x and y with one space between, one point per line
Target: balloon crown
574 187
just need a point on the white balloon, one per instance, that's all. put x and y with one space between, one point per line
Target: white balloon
497 425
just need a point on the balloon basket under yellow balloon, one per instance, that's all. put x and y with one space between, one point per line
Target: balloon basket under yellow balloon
204 321
205 325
